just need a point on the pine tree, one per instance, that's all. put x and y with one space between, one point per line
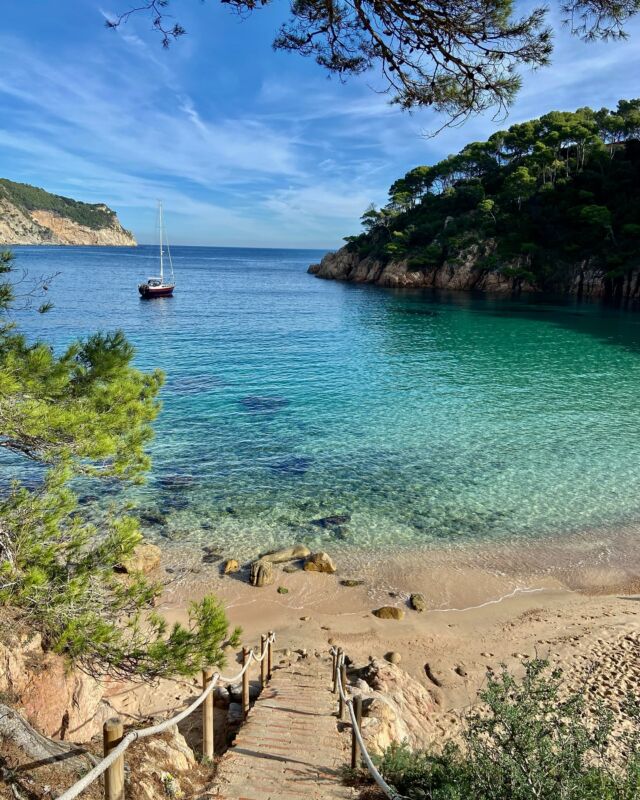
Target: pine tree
85 413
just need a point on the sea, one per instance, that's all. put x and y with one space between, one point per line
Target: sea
352 416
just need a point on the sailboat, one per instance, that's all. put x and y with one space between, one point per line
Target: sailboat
155 285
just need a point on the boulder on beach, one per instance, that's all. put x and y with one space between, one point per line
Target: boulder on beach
261 573
388 612
145 558
230 566
393 657
287 554
417 602
319 562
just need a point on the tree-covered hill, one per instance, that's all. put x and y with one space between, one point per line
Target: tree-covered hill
32 198
532 204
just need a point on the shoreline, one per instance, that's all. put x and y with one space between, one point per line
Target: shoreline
583 619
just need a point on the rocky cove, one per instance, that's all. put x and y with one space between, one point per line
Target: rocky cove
467 274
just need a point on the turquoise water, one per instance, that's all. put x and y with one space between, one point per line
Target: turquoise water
426 418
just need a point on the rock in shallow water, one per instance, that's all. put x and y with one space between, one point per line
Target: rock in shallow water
230 566
319 562
332 520
295 465
261 573
417 602
145 558
287 554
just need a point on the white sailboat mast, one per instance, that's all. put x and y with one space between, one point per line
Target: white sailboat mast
161 253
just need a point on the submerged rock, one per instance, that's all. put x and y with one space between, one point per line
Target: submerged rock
211 556
283 590
332 520
261 573
152 517
259 404
351 582
175 482
389 612
319 562
287 554
294 465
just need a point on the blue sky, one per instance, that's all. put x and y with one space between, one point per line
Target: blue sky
247 147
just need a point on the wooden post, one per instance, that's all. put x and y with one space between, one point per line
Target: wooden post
269 655
112 733
355 749
245 683
207 716
263 663
334 674
343 680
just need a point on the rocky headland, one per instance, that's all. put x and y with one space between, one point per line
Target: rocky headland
467 274
32 216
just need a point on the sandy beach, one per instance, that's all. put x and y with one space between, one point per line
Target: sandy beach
575 601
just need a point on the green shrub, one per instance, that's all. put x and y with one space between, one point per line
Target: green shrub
528 740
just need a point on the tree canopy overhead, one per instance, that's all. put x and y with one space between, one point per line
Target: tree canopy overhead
458 58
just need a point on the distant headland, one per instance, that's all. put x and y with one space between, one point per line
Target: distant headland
30 215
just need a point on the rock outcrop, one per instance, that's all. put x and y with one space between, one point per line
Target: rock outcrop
24 224
261 573
396 706
466 275
58 702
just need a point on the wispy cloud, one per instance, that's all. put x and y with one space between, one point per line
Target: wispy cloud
244 148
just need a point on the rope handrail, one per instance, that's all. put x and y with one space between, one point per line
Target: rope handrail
348 702
153 730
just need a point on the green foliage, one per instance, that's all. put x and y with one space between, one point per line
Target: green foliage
87 413
32 198
544 195
529 740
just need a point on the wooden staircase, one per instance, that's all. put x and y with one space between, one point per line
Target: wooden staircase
289 747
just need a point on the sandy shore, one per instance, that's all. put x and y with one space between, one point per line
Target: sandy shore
575 601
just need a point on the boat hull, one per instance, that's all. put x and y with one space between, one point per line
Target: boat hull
148 292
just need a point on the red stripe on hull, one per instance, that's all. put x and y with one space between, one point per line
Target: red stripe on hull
148 292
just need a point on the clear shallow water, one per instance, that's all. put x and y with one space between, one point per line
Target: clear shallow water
428 419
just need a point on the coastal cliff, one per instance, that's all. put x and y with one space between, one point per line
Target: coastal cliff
29 215
468 274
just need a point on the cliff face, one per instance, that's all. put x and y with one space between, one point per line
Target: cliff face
465 275
20 224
